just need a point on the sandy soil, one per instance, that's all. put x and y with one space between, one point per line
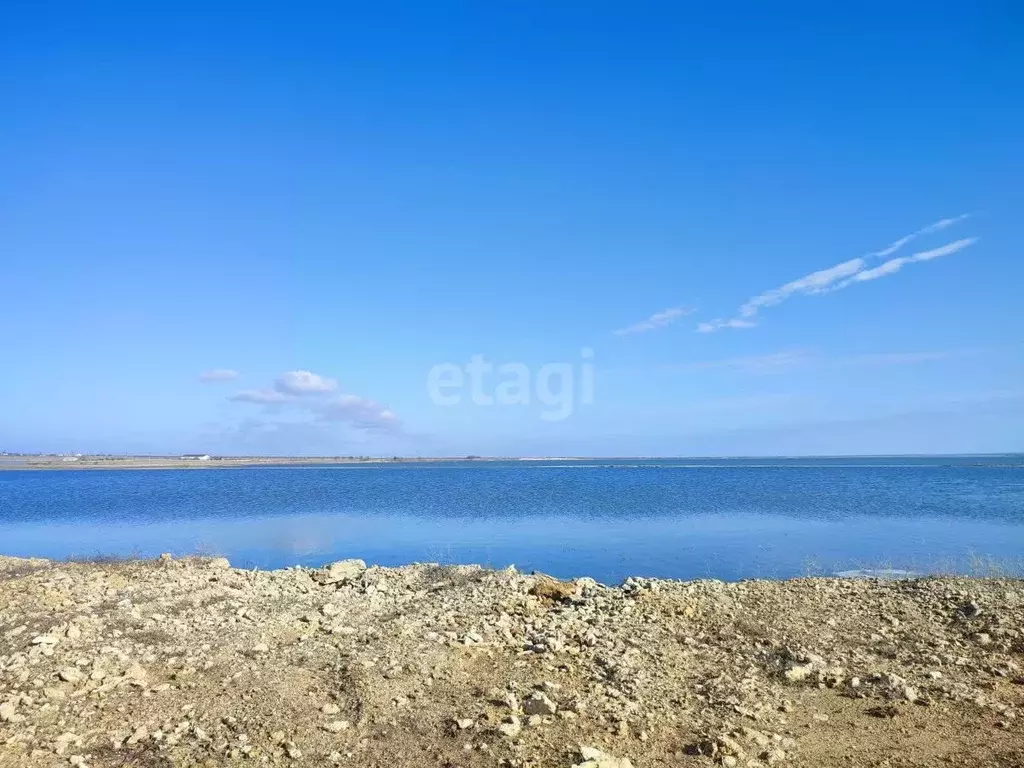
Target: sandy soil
191 662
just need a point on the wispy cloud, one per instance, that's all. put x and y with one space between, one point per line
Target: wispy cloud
260 397
358 411
937 226
655 321
218 374
715 325
308 395
842 275
303 383
895 265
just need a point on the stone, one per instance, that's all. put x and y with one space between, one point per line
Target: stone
510 727
137 674
71 675
292 750
464 723
798 672
553 589
220 563
539 704
970 610
330 609
7 711
341 572
140 734
336 726
330 709
595 758
261 648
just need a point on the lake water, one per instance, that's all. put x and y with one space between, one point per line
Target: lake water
684 518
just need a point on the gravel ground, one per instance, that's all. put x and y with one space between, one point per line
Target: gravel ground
191 662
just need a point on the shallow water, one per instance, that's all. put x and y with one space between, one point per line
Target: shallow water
685 518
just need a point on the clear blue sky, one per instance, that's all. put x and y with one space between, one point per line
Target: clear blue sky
364 191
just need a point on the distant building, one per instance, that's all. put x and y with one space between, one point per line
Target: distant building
195 457
69 458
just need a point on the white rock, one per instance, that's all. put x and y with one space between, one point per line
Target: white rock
511 727
798 672
330 709
595 758
70 675
341 571
137 674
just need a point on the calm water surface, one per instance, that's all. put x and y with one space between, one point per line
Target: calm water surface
681 518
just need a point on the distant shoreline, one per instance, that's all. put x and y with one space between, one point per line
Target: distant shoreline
170 462
83 462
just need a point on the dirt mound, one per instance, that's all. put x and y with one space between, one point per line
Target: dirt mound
192 662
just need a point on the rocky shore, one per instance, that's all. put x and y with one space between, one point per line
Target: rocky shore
192 662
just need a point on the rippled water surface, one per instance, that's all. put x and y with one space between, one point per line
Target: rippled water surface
608 519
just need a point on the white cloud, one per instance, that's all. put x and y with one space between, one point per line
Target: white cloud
260 397
657 320
842 275
304 395
714 325
301 383
358 411
218 374
895 265
937 226
944 250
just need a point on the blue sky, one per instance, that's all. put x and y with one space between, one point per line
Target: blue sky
316 204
